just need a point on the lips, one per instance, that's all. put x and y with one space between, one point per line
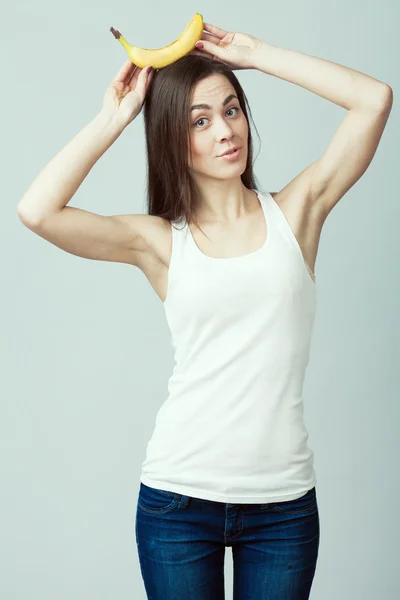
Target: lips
230 150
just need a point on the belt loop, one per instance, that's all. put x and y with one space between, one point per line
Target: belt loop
184 501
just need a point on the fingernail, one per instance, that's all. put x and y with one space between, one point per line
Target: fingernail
199 45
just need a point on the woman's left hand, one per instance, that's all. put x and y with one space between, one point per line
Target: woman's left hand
237 50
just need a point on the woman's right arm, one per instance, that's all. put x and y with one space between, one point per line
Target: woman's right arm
58 181
43 206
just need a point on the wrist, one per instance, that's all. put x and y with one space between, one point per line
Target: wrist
108 125
261 54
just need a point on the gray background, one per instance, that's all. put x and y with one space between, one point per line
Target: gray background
85 349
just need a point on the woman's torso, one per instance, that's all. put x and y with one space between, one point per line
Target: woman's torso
241 319
304 218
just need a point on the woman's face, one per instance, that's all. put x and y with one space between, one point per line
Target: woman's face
214 130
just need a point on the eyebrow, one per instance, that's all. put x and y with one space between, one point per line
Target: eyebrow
208 107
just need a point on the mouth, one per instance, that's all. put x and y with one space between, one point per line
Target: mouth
231 151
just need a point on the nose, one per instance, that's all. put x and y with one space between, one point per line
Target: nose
223 131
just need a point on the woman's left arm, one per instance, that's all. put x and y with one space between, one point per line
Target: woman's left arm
339 84
368 101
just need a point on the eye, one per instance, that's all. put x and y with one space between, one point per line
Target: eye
204 118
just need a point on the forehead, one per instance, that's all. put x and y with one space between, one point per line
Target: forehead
212 89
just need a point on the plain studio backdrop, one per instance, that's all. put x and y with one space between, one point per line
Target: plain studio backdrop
85 348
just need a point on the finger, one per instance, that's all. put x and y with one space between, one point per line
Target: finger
125 70
220 33
210 38
212 48
134 75
144 81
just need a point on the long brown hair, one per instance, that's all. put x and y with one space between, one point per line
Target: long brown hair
171 190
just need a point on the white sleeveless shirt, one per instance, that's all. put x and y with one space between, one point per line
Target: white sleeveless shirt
232 429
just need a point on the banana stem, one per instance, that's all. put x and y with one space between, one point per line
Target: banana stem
115 33
121 40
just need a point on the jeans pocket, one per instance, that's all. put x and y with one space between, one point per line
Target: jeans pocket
155 501
304 504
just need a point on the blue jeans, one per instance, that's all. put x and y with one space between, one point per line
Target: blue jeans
181 544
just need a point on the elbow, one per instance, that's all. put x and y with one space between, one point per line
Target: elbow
28 220
386 98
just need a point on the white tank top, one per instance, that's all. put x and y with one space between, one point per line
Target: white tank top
231 429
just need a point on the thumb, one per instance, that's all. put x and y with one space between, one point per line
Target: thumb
144 80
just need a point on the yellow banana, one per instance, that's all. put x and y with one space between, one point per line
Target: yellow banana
161 57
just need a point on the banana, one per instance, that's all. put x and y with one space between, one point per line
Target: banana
161 57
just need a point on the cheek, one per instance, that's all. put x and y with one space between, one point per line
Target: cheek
200 147
245 126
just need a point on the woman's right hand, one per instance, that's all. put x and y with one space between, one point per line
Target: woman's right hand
126 93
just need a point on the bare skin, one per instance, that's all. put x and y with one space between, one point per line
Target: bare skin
145 241
302 213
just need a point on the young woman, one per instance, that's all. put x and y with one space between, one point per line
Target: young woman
228 463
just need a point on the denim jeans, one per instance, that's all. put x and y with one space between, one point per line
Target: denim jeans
181 544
